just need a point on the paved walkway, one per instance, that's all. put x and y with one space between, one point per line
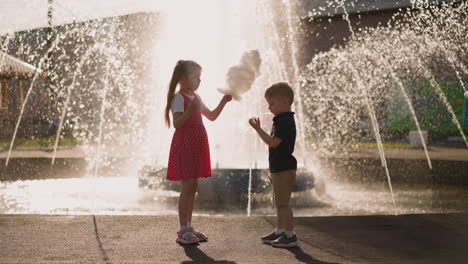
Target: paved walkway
411 239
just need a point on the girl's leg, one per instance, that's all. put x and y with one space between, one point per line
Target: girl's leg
192 200
193 189
185 199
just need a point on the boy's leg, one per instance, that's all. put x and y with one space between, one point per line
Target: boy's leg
279 231
283 183
285 218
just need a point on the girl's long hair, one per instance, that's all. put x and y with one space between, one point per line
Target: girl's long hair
182 68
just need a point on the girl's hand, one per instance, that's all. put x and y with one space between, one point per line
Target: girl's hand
194 105
226 98
255 122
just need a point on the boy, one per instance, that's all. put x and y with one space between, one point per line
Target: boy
282 163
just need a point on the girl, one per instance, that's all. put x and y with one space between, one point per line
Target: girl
189 157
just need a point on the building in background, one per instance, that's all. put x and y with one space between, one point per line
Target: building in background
15 79
325 23
74 59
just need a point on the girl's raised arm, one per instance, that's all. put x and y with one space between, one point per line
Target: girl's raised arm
213 115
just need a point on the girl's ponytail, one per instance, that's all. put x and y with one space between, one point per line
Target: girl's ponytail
170 93
182 68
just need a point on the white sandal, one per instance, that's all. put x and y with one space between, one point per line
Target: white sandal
187 237
202 237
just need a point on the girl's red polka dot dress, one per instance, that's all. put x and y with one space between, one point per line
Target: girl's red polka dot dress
189 156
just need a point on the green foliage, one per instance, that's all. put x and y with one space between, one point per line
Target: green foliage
431 111
385 145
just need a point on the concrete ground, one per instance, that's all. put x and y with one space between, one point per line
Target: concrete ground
411 239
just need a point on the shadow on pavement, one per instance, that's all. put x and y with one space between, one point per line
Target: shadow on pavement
306 258
199 256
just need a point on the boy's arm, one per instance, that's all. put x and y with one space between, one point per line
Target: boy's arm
272 142
213 115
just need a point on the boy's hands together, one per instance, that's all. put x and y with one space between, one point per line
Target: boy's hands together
255 123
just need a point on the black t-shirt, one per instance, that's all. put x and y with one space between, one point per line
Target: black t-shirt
281 158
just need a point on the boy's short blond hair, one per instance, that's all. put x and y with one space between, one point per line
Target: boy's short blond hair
280 90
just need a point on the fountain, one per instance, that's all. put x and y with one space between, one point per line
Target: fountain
374 70
107 80
423 54
233 173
